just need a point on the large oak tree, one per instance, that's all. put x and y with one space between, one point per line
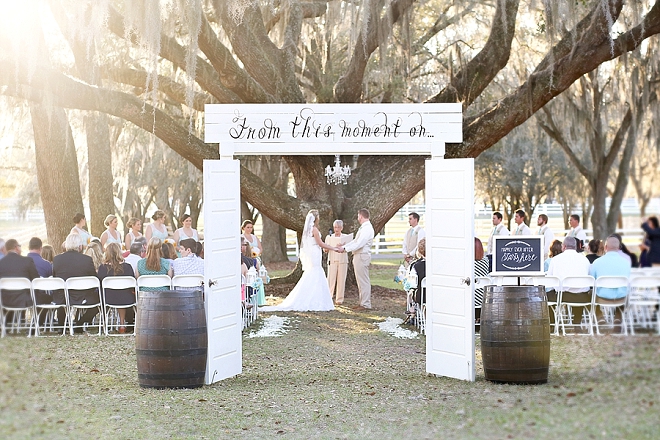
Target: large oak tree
158 66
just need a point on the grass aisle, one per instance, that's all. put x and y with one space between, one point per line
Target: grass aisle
332 375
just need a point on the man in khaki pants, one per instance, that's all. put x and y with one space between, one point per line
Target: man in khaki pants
337 262
361 248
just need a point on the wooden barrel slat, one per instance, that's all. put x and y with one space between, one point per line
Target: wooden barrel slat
515 334
171 341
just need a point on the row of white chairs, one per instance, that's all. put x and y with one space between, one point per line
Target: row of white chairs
420 309
639 308
27 318
249 306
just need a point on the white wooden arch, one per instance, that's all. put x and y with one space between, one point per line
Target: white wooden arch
347 129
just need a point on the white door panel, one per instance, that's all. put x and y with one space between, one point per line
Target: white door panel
222 268
450 260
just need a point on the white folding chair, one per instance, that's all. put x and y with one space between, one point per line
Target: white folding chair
564 307
609 308
112 310
23 317
188 282
550 282
643 301
84 283
50 284
154 282
420 318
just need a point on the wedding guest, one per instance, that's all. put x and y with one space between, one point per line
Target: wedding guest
95 251
134 226
644 247
189 263
137 252
169 252
248 232
200 250
114 265
73 263
652 229
111 235
555 249
45 268
79 228
186 231
338 262
48 253
13 265
419 266
481 263
568 264
156 228
634 261
3 251
154 263
594 250
249 257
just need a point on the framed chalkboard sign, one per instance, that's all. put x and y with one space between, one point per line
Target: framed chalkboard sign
518 255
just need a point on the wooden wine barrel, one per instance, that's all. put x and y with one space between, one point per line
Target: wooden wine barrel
171 342
515 334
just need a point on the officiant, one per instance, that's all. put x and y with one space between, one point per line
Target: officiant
337 262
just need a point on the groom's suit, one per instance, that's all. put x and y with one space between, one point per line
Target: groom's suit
361 248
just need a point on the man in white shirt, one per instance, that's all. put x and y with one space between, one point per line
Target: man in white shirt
570 264
138 251
521 228
361 248
546 232
412 237
577 232
189 263
498 229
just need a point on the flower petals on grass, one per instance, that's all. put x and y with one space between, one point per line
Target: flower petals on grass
273 326
392 326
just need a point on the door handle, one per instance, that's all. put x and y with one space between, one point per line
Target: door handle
465 280
212 283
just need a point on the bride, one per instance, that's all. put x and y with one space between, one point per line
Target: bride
312 292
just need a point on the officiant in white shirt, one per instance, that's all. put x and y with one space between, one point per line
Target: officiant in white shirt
412 237
361 248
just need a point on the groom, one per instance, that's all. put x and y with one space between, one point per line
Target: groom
361 248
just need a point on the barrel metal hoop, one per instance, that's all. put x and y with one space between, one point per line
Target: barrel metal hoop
168 352
172 376
512 322
504 344
171 331
525 299
171 307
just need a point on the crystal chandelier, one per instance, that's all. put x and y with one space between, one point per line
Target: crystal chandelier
337 174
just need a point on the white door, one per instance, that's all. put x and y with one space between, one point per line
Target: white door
449 264
222 268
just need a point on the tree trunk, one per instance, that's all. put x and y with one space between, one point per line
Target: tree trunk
599 216
274 242
99 161
57 171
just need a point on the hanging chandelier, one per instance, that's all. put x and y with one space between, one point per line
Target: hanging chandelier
337 174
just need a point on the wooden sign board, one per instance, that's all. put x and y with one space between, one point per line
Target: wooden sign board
518 255
309 129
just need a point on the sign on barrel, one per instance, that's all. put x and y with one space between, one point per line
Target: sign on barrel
518 255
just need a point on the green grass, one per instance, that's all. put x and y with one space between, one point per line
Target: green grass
334 375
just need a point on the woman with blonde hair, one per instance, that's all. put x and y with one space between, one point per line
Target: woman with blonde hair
95 251
157 228
134 226
154 263
110 235
114 265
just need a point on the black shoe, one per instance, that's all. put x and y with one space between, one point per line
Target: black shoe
78 330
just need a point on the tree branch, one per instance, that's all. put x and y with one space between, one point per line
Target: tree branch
551 129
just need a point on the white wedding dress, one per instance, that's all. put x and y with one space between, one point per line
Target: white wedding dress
312 292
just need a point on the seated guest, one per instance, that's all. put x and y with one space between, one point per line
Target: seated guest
95 251
569 264
137 252
44 267
114 265
419 266
555 249
154 263
48 253
634 260
622 254
480 270
611 264
3 251
594 250
652 229
73 263
200 250
189 263
169 251
13 265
